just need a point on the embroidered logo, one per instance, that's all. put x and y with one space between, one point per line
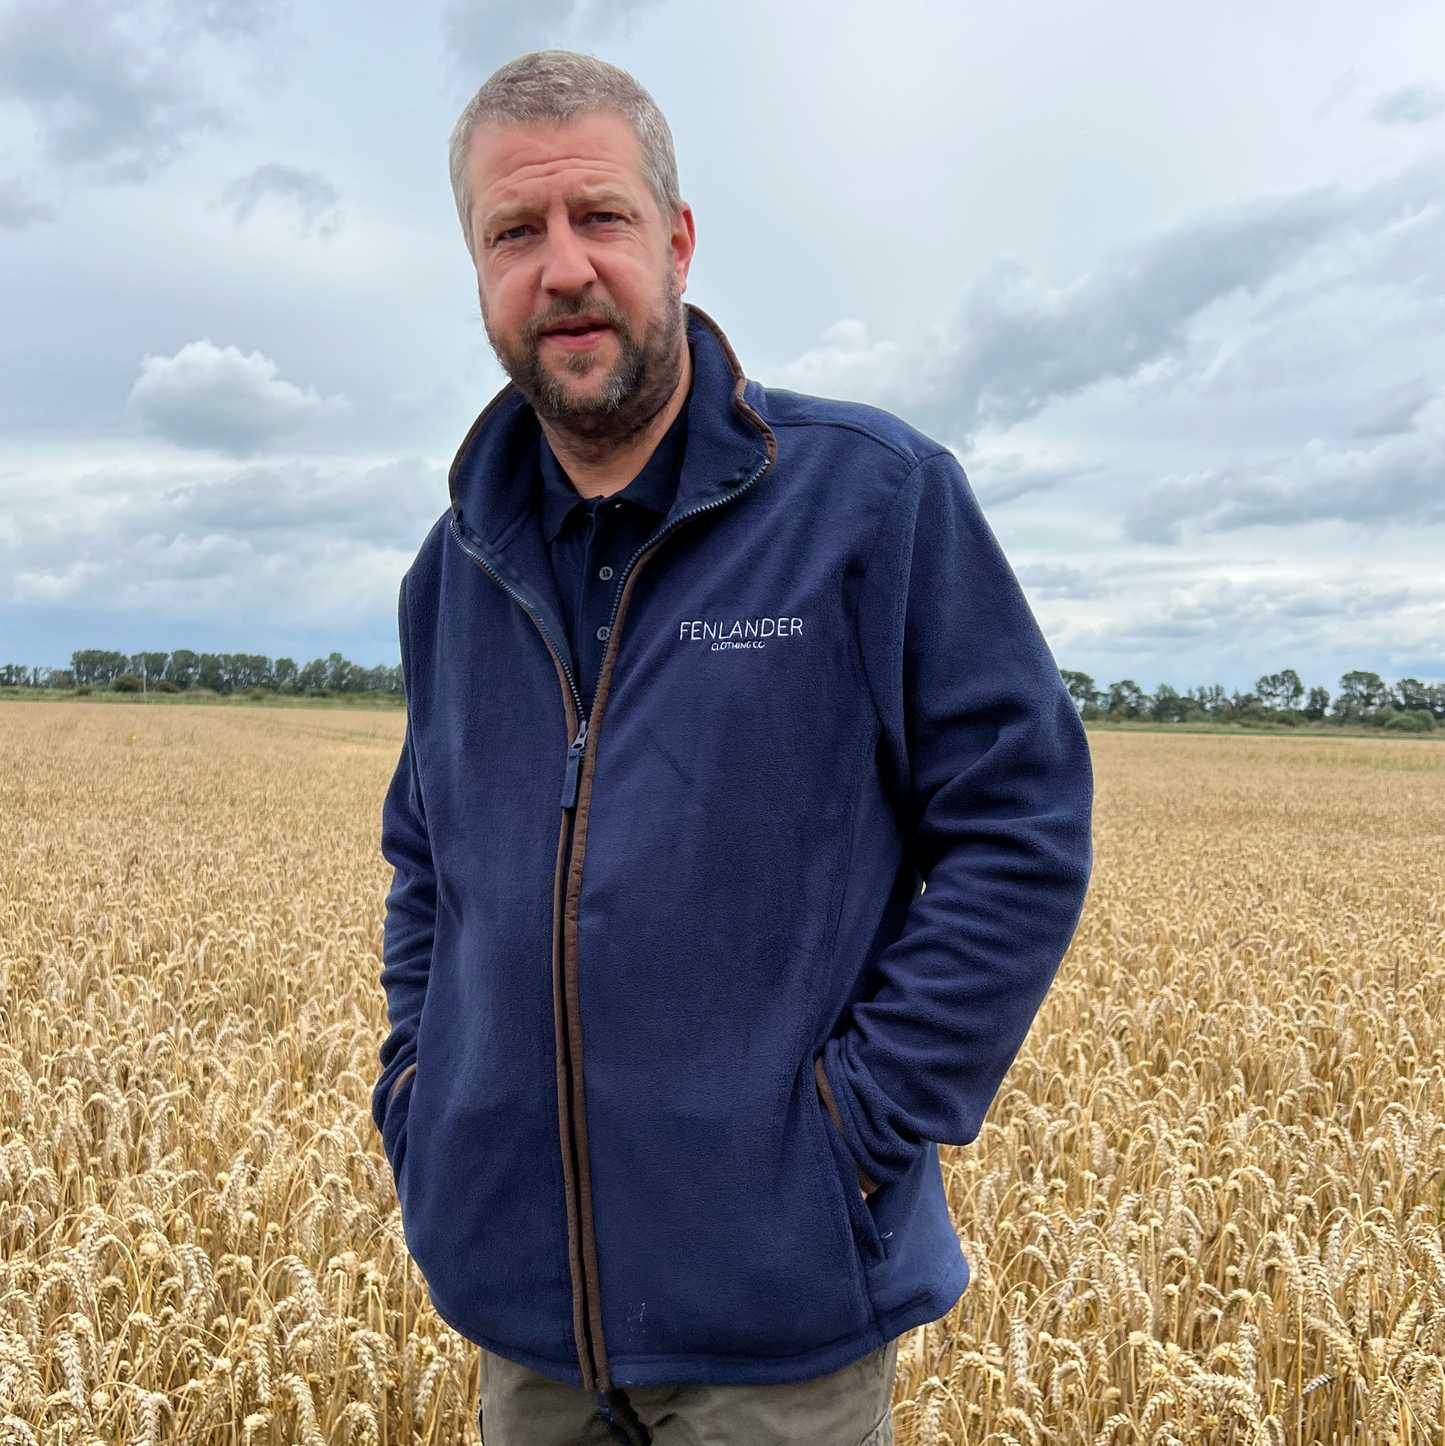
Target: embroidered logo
744 633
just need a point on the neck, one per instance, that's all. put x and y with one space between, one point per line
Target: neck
598 469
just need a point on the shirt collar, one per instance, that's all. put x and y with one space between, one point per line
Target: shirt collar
654 488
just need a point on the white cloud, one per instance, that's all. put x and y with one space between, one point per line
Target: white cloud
1275 370
1222 614
1057 580
1016 343
111 87
21 204
1002 473
1337 92
847 364
288 546
1399 478
307 196
221 399
1412 105
374 505
490 32
1106 269
1396 408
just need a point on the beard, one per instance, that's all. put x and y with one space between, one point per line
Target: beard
636 388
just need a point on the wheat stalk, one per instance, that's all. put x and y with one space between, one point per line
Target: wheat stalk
1206 1205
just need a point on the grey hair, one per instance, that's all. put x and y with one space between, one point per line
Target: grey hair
551 87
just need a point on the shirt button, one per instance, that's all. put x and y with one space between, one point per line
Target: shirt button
603 634
605 574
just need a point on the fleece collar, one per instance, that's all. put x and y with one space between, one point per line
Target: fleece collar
492 477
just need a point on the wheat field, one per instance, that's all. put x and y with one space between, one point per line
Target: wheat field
1207 1205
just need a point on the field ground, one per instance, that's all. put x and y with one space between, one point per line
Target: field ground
203 697
1266 729
1275 730
1206 1206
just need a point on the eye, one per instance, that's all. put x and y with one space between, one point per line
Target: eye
512 233
606 216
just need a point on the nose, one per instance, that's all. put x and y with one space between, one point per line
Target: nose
566 267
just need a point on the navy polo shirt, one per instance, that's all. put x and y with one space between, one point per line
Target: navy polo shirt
591 539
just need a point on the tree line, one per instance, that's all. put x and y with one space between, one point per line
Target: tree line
182 671
1363 700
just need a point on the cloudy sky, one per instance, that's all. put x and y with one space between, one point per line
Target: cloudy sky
1169 279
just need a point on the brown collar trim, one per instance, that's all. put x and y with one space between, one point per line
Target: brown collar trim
740 382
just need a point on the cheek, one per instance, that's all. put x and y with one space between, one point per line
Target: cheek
635 283
505 298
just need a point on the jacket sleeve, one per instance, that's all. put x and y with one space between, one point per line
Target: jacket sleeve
407 938
990 772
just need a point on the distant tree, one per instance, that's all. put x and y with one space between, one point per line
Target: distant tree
1361 693
313 675
248 670
214 672
150 668
1437 702
1169 705
14 675
283 670
1281 691
1317 704
343 676
1412 695
1125 699
95 665
1211 700
1081 687
183 667
125 683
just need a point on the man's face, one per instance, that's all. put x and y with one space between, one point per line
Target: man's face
579 273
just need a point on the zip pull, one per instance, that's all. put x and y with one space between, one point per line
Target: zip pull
574 767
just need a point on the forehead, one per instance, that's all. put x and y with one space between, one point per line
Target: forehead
512 164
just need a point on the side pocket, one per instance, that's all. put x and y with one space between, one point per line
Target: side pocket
869 1243
393 1124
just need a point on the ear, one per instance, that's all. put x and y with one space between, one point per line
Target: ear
683 241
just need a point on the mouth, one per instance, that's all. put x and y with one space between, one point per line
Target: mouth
577 333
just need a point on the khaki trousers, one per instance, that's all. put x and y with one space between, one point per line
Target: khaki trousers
850 1407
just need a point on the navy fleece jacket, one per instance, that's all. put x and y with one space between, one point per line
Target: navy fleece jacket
823 691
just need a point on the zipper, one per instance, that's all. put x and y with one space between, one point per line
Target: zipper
666 531
568 1077
599 1379
574 766
595 1374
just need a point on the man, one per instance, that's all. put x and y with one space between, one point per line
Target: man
704 683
